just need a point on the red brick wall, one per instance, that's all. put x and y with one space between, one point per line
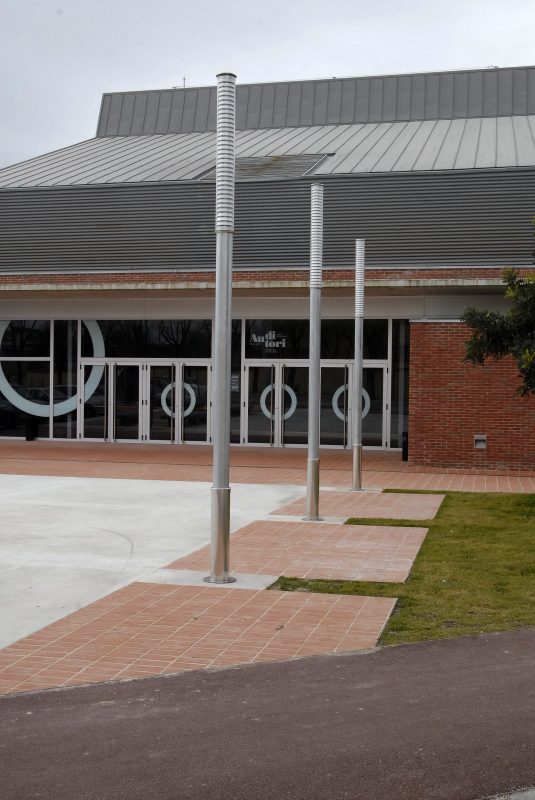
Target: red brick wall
450 401
252 275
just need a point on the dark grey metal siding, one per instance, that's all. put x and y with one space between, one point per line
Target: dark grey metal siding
430 219
447 95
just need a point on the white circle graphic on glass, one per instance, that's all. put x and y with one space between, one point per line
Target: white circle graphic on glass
336 398
192 400
293 401
39 410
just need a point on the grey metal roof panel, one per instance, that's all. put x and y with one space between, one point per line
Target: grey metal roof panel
487 145
425 145
430 150
420 132
465 94
394 153
505 142
377 152
450 146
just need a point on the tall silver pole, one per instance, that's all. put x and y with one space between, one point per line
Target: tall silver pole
314 369
222 334
357 383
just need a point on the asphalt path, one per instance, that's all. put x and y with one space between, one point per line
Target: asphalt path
452 719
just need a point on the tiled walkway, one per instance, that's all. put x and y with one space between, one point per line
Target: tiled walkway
151 628
371 505
382 469
148 629
318 550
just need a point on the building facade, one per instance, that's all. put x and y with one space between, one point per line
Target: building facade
107 258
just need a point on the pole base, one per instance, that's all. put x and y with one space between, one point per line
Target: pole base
209 579
219 567
313 490
357 468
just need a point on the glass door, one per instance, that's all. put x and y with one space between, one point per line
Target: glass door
334 414
373 406
261 404
277 404
162 401
294 404
126 403
94 390
195 403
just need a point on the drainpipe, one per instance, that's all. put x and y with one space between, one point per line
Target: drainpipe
222 335
357 383
314 368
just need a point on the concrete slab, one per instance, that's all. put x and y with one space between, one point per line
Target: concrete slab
66 542
189 577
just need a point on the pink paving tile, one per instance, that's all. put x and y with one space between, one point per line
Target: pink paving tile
381 469
370 504
311 550
237 627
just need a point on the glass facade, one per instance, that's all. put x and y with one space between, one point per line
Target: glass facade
399 416
153 338
150 380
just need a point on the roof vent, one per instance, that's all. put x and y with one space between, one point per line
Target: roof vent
269 168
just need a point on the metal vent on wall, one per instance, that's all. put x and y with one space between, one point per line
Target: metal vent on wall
269 168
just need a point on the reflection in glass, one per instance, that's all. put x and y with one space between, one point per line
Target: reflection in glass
26 338
400 380
276 338
30 381
195 404
372 405
338 338
261 405
235 383
295 405
96 404
126 394
375 344
162 403
64 375
334 406
153 338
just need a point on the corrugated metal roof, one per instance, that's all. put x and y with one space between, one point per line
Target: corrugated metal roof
410 219
428 145
464 94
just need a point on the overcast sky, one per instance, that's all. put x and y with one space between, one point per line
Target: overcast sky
57 58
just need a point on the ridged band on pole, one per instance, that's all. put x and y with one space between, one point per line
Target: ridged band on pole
316 235
314 364
360 248
222 335
225 153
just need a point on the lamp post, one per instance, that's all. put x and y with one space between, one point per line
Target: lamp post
314 368
222 335
357 382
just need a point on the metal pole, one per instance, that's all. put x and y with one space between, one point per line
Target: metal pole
222 334
357 382
314 368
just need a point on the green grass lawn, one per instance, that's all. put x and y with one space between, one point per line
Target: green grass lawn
475 571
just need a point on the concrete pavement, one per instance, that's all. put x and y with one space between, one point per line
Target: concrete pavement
66 542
